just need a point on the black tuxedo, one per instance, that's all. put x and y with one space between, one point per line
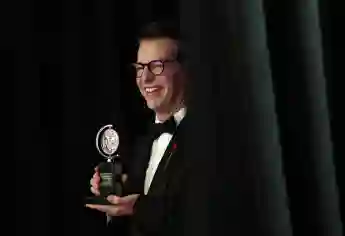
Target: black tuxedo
160 212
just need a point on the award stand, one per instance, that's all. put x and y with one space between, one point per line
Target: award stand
110 171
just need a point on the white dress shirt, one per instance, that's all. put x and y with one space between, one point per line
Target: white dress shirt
158 148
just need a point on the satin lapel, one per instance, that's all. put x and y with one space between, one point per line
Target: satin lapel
142 159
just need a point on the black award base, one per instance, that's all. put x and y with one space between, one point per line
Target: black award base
110 184
97 200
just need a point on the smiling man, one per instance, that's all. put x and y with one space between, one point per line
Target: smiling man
160 76
154 200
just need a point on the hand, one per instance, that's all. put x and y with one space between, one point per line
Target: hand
121 206
95 180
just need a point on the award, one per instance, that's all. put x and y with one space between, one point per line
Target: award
107 143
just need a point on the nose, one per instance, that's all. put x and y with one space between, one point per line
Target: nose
147 75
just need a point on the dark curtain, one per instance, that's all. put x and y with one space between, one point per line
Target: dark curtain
265 140
265 84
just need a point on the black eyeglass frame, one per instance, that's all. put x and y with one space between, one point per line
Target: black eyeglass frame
149 65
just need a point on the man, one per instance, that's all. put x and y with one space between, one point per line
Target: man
155 185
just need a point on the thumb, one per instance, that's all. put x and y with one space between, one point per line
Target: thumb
113 199
130 198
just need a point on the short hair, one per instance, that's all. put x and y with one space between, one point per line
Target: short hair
164 29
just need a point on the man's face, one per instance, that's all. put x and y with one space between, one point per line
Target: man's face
162 90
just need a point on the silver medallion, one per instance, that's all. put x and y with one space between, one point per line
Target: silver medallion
107 141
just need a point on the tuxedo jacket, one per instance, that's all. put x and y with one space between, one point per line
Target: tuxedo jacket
161 210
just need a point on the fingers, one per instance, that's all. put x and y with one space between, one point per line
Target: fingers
112 210
129 199
95 191
95 188
121 205
96 176
115 199
94 182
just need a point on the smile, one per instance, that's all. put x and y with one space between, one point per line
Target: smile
151 90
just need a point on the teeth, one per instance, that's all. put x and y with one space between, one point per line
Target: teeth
150 90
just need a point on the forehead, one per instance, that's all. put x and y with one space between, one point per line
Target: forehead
156 49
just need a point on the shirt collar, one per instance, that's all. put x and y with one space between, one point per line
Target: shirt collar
178 116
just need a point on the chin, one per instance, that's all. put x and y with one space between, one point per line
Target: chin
155 105
152 105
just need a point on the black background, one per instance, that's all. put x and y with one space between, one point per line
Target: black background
267 101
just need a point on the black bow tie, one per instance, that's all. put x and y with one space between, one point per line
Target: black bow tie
169 126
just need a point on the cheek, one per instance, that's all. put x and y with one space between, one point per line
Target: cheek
167 82
172 86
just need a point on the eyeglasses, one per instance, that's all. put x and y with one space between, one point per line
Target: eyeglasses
156 67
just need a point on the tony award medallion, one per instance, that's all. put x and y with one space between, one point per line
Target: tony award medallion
107 143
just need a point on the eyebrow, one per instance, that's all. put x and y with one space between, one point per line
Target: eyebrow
158 59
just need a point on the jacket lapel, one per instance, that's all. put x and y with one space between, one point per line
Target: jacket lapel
170 155
139 165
